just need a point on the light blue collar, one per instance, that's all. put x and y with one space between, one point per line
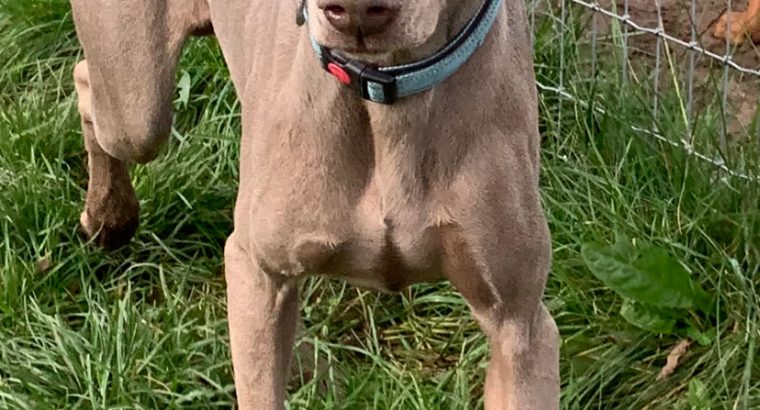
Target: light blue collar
386 84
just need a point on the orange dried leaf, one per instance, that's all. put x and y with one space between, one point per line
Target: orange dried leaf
673 358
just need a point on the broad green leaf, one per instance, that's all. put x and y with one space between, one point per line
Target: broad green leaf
650 318
647 275
660 264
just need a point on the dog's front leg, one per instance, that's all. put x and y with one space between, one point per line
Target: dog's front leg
263 316
503 286
524 370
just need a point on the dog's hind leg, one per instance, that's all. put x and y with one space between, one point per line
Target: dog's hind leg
112 211
125 88
503 287
263 317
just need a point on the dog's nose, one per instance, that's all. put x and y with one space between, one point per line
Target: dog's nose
355 17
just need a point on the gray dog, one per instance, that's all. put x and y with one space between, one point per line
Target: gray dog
385 142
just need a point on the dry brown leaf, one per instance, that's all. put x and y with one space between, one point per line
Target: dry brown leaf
44 264
673 357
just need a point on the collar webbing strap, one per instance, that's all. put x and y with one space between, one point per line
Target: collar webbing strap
386 84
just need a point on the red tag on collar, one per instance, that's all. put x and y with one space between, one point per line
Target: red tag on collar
339 73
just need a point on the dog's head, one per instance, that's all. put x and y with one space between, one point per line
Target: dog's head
370 28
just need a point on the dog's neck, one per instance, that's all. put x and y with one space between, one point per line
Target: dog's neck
411 152
413 149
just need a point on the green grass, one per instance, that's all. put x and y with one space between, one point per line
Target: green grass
145 327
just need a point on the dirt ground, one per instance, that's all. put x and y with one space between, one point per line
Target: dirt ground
744 89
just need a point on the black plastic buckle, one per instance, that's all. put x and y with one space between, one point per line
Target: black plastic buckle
370 83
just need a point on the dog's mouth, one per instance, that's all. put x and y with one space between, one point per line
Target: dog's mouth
383 48
371 45
371 51
358 44
359 48
361 52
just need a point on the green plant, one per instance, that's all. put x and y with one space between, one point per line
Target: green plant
657 291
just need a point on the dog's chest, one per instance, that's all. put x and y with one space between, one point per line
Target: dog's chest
383 240
348 197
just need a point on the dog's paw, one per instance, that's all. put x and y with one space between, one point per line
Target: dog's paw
110 227
743 25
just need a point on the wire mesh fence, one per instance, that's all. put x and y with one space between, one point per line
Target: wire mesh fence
697 88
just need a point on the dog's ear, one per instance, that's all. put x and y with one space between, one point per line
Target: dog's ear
200 19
